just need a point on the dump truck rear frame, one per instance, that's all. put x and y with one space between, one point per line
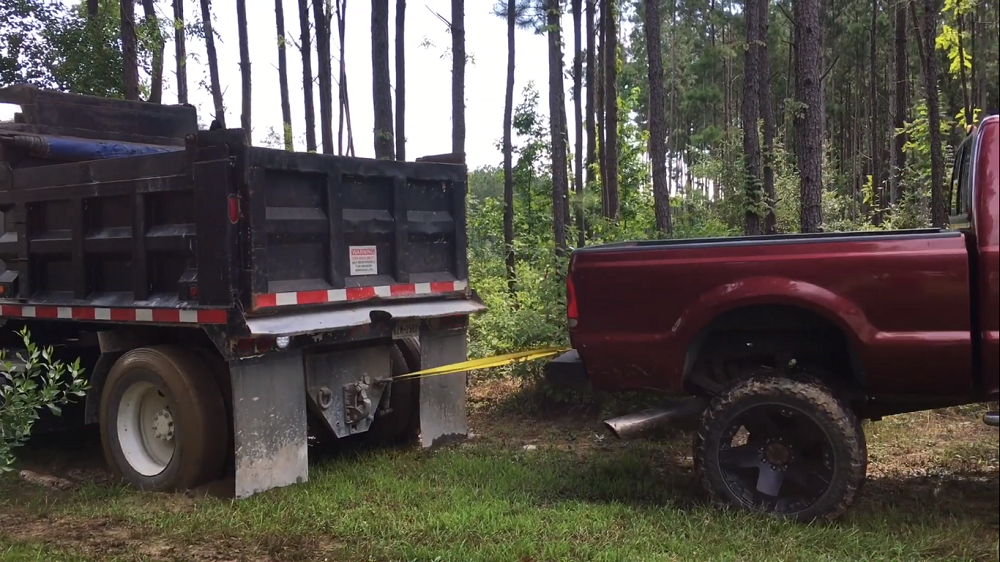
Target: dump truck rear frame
208 283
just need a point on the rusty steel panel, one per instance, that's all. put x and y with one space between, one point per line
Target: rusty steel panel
269 422
443 416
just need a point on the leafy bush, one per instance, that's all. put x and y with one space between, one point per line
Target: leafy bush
37 381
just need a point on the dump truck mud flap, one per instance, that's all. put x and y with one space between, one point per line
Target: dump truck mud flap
442 398
269 421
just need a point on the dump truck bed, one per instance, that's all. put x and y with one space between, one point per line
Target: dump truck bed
216 230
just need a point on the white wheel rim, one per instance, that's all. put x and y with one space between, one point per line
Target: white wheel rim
146 429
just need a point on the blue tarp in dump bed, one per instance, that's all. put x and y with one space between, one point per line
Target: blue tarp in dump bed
70 149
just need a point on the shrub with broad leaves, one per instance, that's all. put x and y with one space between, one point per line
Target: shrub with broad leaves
31 380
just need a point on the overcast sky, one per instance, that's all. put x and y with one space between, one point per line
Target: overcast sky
428 73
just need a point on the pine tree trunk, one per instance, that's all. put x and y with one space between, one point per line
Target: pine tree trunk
979 42
508 152
767 116
599 95
156 78
307 75
591 91
611 109
809 120
672 129
557 124
345 104
899 101
578 116
180 52
874 138
286 108
966 97
657 119
939 213
130 54
381 87
213 63
749 114
245 78
321 15
400 133
458 77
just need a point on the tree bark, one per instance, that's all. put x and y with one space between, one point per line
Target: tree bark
599 94
591 92
400 133
899 102
656 118
557 124
245 78
345 104
213 63
286 108
939 212
874 138
305 43
749 114
809 116
510 258
767 116
578 116
979 42
458 77
130 53
156 78
381 87
321 15
180 52
966 97
611 109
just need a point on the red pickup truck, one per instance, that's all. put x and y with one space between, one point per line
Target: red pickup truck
783 343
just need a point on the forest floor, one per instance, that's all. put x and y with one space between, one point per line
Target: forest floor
535 483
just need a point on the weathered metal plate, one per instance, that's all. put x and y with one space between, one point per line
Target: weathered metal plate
269 422
328 373
443 416
322 320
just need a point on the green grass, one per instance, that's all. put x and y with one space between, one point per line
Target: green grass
489 500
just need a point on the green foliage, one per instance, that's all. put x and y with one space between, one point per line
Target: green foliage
58 46
36 381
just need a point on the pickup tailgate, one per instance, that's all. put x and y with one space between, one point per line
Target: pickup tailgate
326 229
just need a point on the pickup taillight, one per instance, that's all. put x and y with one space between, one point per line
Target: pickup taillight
571 311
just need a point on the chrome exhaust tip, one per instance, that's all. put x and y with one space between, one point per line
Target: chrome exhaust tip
630 425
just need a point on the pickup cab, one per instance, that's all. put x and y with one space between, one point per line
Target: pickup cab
783 343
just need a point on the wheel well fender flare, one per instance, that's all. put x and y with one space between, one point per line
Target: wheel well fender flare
698 321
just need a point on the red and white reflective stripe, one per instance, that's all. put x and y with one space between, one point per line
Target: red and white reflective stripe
153 315
357 294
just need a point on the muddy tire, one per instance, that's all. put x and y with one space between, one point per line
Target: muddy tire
783 447
400 422
163 420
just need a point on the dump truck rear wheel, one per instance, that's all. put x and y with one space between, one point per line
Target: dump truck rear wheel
398 423
784 447
163 420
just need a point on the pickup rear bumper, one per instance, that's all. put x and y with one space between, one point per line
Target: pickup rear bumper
566 370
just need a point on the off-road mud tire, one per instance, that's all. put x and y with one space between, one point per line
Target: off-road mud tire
196 402
814 399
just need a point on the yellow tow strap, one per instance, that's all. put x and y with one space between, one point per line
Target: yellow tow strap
486 363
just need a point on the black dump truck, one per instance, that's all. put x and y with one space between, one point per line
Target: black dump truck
227 301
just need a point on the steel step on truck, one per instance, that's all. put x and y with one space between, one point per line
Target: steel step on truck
227 300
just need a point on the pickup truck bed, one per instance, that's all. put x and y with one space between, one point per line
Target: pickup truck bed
653 314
